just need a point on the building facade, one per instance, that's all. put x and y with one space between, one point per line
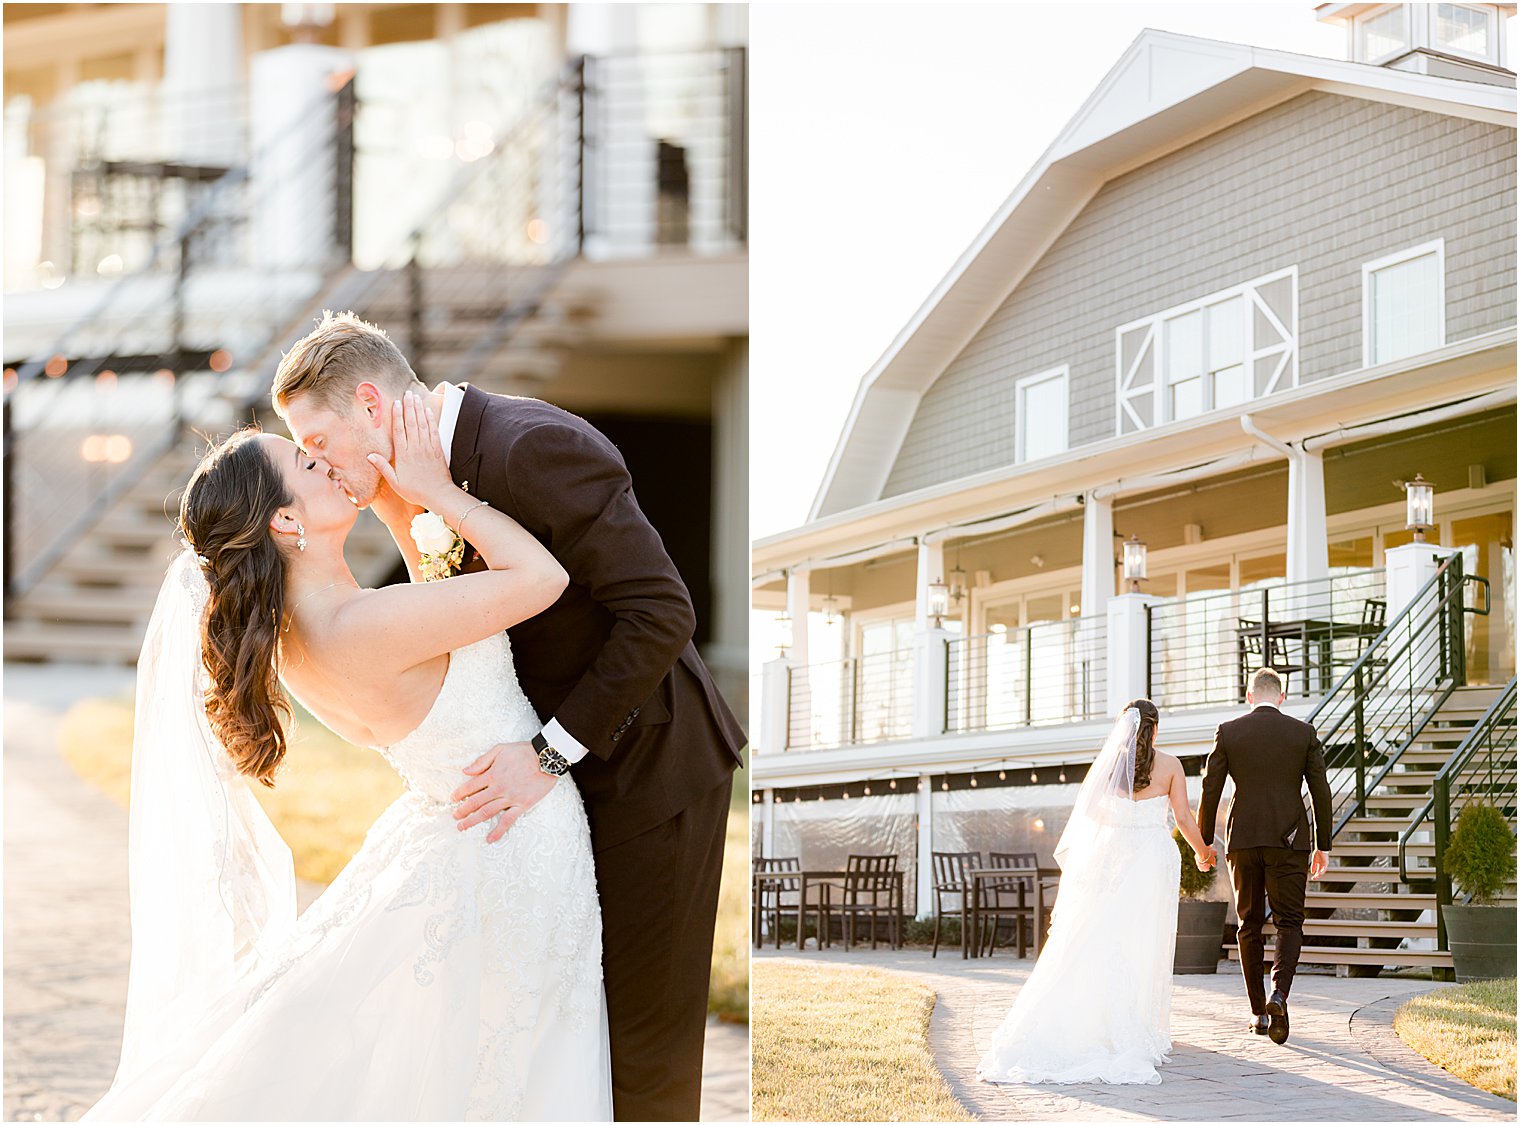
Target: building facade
1242 298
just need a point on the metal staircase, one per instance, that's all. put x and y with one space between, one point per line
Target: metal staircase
1401 717
470 293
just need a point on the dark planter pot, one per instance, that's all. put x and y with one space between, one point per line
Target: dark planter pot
1482 941
1200 936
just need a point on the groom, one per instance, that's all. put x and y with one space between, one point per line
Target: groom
630 708
1269 755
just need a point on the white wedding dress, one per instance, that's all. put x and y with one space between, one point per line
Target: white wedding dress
1097 1006
438 978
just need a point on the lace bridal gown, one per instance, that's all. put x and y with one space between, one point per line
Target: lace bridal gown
437 978
1097 1006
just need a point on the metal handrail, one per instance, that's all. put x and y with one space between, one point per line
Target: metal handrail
1356 698
1479 737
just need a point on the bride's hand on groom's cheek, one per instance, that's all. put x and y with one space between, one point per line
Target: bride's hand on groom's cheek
504 782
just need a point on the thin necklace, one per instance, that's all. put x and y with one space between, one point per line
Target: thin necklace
290 620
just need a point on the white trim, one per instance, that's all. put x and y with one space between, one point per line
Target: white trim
1153 344
1436 246
1021 416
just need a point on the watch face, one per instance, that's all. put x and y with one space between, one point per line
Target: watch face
552 761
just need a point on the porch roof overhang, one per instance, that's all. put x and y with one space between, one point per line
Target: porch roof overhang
1460 371
1166 91
1189 733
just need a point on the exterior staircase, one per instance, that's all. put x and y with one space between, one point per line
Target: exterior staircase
1399 719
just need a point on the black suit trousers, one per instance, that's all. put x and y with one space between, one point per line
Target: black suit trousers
659 895
1278 876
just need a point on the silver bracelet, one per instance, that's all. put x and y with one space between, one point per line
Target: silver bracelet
459 527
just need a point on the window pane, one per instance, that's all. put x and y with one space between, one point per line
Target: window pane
1383 33
1351 554
1184 346
1202 579
1227 333
1044 418
1269 570
1461 29
1230 387
1404 300
1187 399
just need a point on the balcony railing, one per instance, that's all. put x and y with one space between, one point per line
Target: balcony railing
1201 648
1051 672
844 702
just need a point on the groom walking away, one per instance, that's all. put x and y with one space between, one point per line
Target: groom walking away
629 708
1269 755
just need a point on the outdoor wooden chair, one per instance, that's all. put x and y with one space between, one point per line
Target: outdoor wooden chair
871 886
1252 655
1002 900
950 879
781 895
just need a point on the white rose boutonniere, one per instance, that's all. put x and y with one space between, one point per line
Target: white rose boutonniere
442 550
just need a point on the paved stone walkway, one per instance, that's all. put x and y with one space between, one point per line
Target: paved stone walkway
1342 1063
66 925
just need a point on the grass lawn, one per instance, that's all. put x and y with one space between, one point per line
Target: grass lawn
844 1044
1468 1030
329 793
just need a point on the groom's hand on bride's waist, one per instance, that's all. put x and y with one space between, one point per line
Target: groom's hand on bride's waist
505 782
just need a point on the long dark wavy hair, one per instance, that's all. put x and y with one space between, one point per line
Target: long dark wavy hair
1145 740
224 515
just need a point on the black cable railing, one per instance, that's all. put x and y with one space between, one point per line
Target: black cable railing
1048 672
1482 768
88 416
1385 700
1203 647
846 702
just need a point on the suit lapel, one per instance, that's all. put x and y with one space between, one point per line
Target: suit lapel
464 457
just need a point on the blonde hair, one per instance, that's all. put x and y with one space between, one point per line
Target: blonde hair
335 357
1266 682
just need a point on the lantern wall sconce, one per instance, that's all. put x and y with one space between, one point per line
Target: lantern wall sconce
1134 562
939 601
1420 496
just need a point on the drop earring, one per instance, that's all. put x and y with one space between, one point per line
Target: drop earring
300 538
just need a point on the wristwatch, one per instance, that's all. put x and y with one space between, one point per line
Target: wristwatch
550 760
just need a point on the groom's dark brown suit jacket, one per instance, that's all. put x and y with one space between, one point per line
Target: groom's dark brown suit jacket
1270 755
612 659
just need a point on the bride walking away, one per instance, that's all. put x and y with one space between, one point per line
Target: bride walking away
1097 1007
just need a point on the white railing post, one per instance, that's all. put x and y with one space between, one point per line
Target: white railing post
775 706
1128 652
925 862
929 683
1408 569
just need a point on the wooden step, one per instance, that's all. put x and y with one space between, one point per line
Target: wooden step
1380 847
102 607
1329 955
1356 901
1352 927
27 640
1380 824
1336 873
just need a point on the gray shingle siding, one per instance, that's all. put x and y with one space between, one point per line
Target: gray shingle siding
1322 181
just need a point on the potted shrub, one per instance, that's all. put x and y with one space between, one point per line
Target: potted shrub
1480 860
1200 924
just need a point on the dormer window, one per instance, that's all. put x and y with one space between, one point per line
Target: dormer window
1463 30
1382 34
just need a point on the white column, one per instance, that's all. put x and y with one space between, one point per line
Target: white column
1128 655
798 598
775 706
768 822
1308 535
292 171
925 859
1097 555
203 63
727 653
931 568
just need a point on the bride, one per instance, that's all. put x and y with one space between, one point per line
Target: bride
440 976
1097 1007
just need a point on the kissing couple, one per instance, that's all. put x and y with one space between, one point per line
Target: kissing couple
526 932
